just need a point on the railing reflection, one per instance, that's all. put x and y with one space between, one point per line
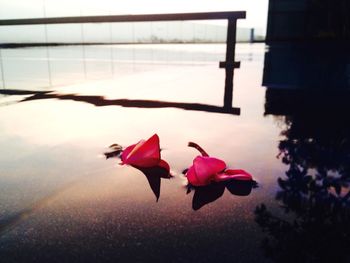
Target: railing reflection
128 103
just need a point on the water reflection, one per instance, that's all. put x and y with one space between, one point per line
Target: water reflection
12 220
204 195
57 65
314 193
307 66
101 101
153 174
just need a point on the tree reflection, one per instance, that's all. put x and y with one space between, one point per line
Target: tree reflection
314 194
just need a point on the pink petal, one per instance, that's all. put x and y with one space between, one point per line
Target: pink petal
204 170
208 166
126 152
163 164
144 153
192 177
233 174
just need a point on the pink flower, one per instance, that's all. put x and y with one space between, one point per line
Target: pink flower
207 169
144 154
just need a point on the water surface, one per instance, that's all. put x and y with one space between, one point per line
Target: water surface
61 200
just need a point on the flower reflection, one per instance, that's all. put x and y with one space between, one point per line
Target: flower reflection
154 175
209 193
144 156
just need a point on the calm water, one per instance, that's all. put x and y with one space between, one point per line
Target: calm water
62 201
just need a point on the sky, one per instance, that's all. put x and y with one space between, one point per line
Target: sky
256 9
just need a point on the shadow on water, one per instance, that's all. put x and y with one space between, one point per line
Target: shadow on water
204 195
101 101
153 174
314 193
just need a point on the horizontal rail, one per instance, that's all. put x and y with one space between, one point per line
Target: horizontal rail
125 18
224 64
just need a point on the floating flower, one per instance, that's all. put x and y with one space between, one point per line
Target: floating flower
207 169
144 154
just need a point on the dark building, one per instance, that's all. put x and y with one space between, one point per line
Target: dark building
306 20
308 45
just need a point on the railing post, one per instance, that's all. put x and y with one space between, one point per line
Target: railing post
230 63
252 35
47 47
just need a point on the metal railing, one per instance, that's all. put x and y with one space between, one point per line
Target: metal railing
229 64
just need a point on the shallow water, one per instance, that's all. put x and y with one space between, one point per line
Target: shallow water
61 200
